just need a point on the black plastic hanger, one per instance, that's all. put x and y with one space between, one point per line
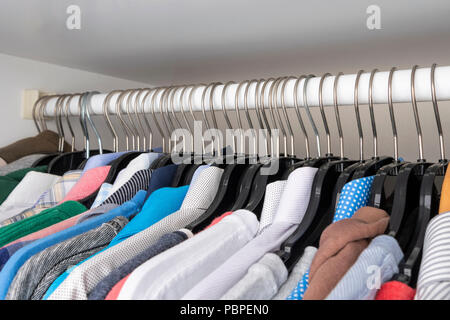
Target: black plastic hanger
368 167
407 189
189 161
252 188
316 162
383 185
236 181
429 198
265 173
321 206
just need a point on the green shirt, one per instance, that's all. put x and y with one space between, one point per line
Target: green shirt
40 221
11 180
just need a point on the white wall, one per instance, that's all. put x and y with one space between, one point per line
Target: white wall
17 74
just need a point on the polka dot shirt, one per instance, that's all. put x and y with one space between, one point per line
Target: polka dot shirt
354 195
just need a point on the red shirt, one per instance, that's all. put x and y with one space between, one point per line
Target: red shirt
395 290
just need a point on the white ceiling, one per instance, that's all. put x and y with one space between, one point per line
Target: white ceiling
183 41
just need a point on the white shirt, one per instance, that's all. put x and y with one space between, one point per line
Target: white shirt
26 193
293 204
210 249
87 275
172 273
262 280
272 199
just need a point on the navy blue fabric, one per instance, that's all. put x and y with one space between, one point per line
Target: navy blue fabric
161 177
8 251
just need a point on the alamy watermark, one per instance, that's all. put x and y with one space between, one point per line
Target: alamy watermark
374 279
373 21
73 21
211 141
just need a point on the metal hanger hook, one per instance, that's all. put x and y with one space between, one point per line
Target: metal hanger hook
436 114
392 114
358 117
337 115
416 113
308 113
322 112
372 115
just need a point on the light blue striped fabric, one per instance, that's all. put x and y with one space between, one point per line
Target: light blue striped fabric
375 265
354 195
102 194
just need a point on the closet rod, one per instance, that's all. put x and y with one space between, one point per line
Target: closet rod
401 90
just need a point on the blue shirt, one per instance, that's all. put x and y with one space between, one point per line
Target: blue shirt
21 256
161 177
159 205
101 160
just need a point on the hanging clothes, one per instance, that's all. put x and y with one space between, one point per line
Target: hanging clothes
26 193
340 245
88 184
65 223
11 180
161 177
296 274
101 160
44 142
353 196
395 290
444 203
49 198
7 251
159 205
36 275
167 241
102 194
141 162
86 276
375 265
262 281
22 163
434 275
171 274
37 222
19 258
293 204
138 181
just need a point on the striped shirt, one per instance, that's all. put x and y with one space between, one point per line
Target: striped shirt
139 181
434 274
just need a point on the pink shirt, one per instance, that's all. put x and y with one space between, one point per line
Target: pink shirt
89 183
